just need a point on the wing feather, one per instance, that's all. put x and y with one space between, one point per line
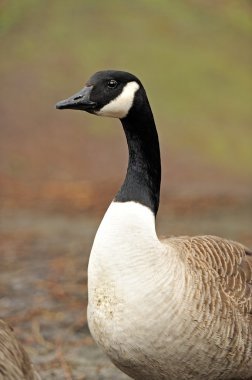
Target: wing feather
229 262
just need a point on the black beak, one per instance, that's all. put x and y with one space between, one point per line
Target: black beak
79 101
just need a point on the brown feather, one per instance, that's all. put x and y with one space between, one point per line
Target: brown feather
228 262
221 273
14 361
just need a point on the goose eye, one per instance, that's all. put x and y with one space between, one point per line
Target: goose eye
112 83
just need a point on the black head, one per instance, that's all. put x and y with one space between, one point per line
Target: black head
107 93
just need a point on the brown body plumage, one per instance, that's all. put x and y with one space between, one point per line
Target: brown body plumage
14 361
221 271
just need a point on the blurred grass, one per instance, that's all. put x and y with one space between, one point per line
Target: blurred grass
194 58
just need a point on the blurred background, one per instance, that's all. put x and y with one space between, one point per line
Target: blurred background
60 170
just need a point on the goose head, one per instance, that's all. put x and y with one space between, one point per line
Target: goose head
121 95
107 93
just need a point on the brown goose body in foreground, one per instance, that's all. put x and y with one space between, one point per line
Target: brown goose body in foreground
173 309
14 361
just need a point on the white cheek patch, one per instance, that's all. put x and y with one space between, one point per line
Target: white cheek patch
120 106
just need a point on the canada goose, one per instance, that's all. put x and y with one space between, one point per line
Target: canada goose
14 361
179 308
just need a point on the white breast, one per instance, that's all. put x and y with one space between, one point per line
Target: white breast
126 239
128 267
123 250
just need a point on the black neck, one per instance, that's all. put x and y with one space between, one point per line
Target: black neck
142 181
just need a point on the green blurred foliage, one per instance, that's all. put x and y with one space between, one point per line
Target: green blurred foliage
194 58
